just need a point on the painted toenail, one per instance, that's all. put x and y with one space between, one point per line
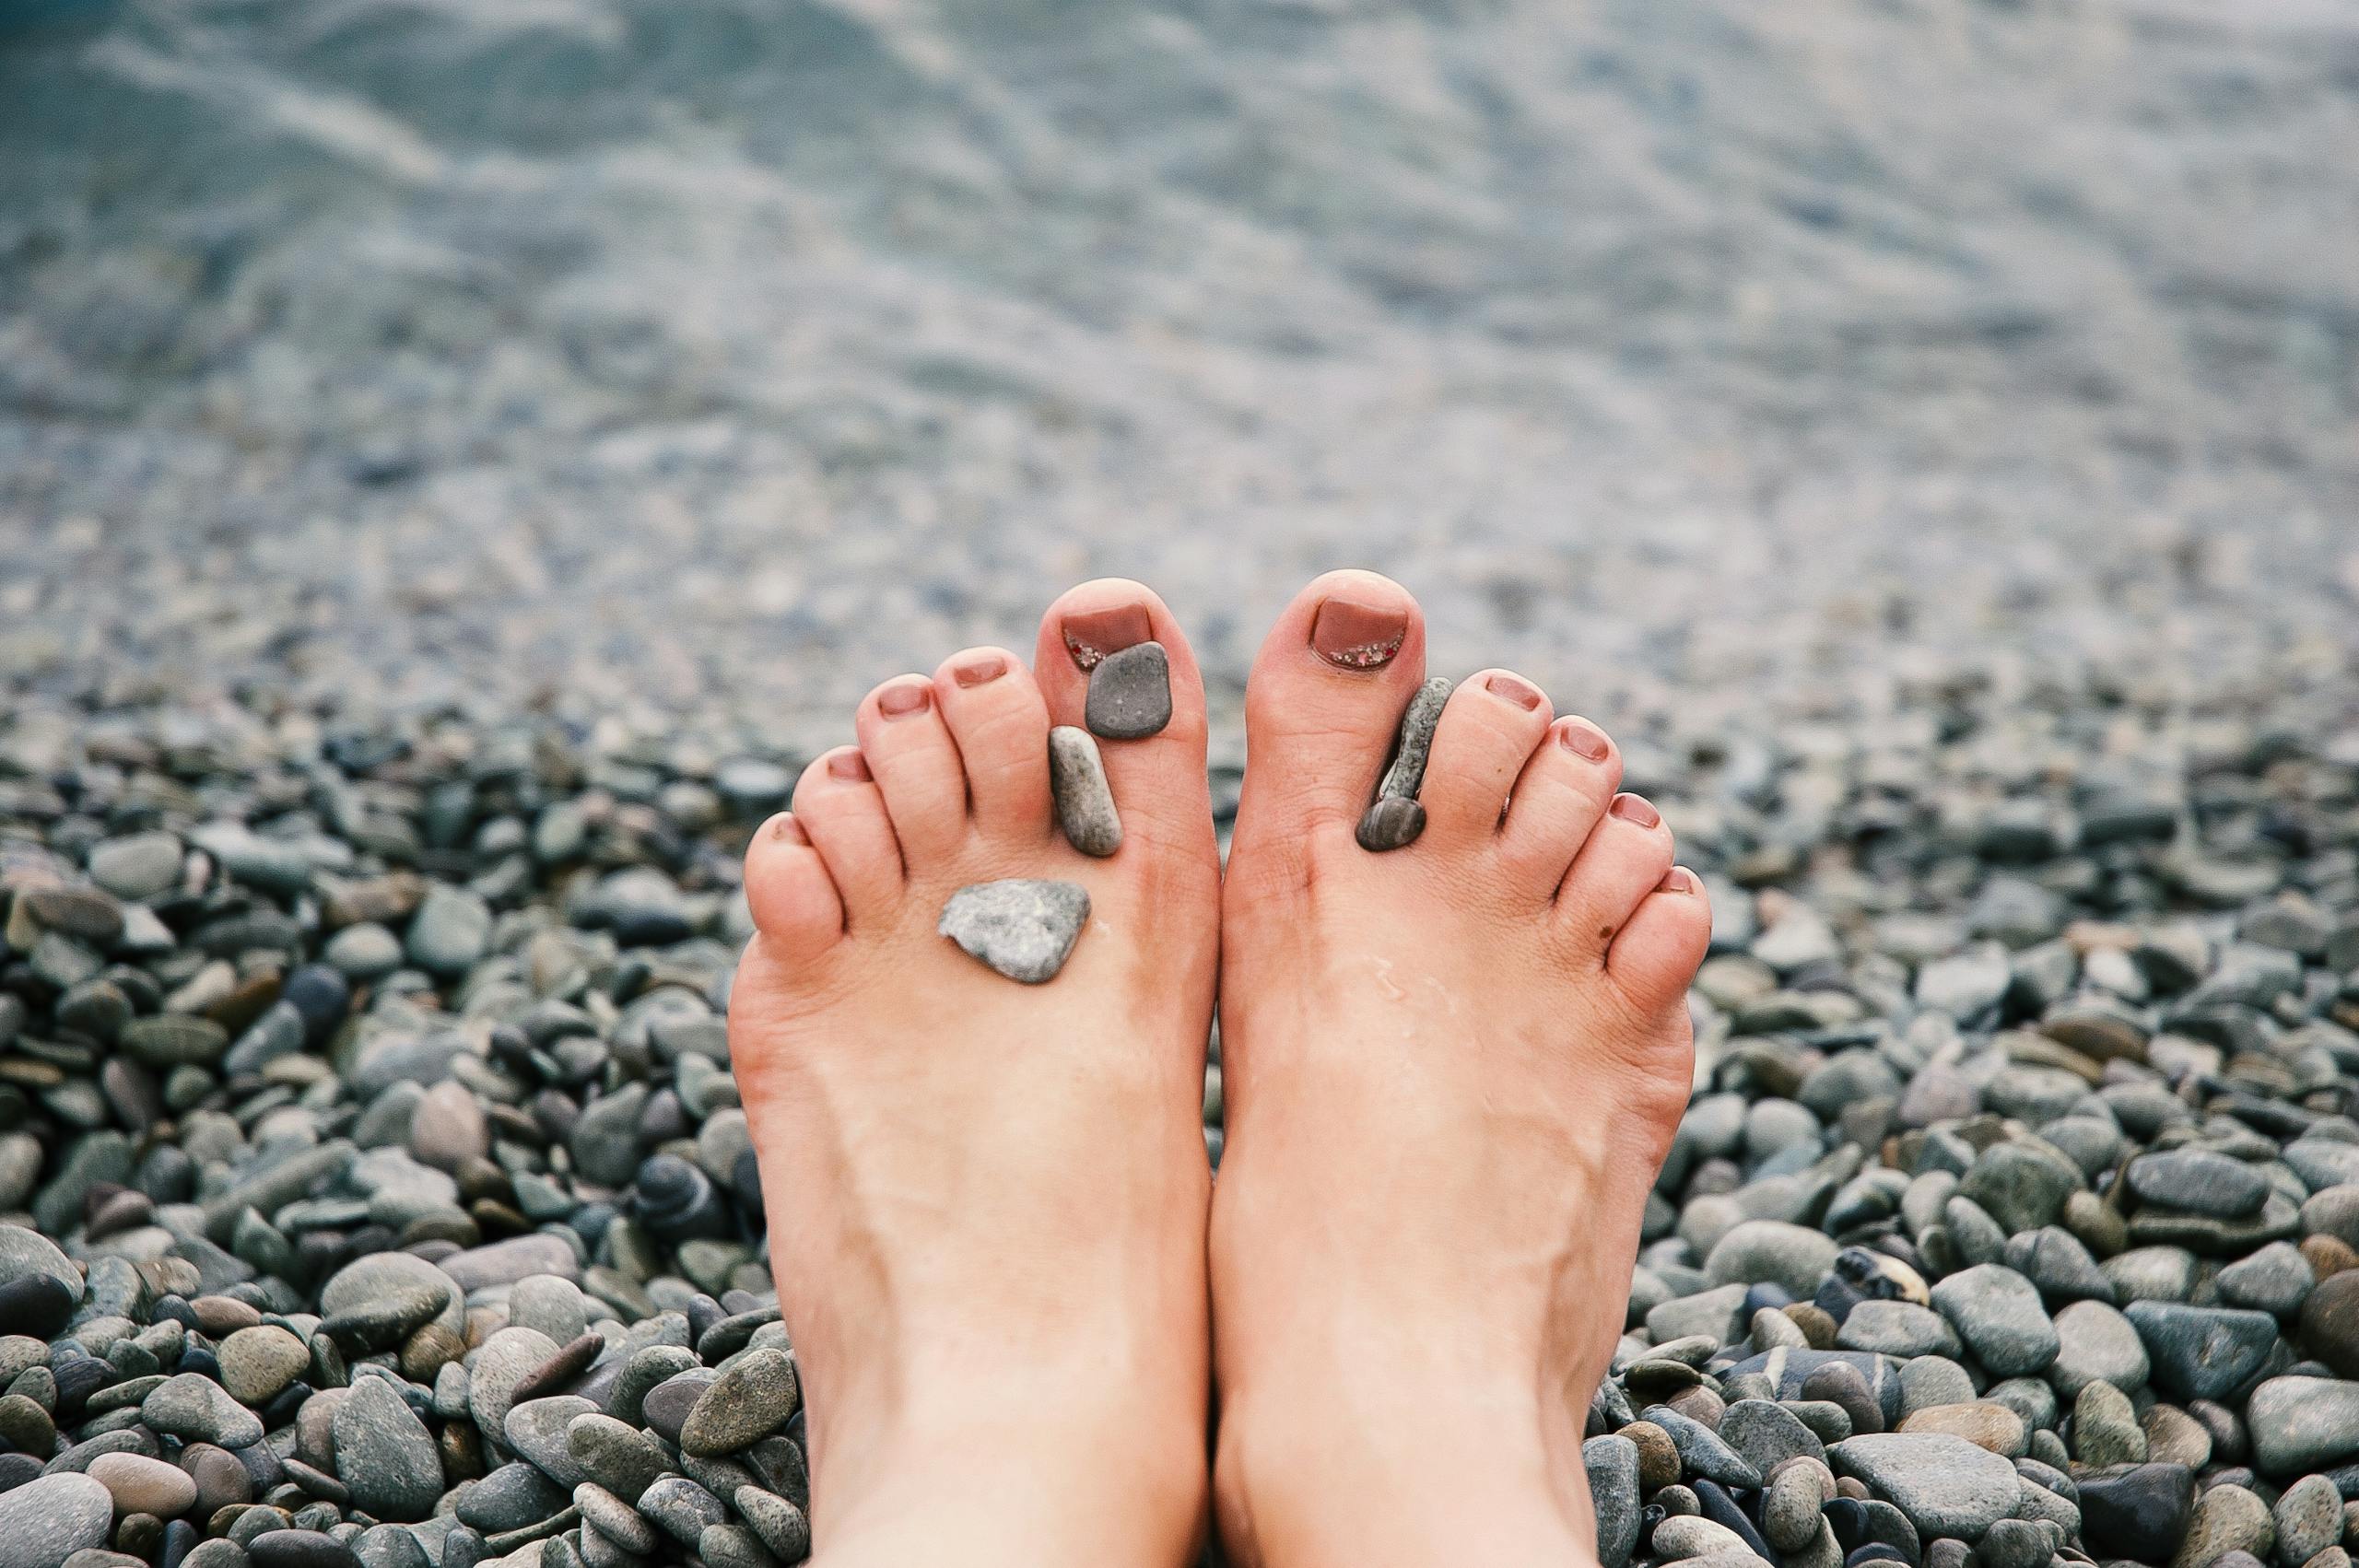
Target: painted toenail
981 670
1514 689
902 700
1679 878
786 830
1358 636
1630 807
1091 635
1585 741
849 765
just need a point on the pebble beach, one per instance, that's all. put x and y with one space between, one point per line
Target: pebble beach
441 519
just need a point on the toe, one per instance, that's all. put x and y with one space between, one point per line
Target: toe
1556 803
793 899
842 813
1623 859
1655 957
1323 705
1001 724
1158 776
1486 733
916 763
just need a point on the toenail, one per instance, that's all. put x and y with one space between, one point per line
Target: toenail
1091 635
901 700
978 671
849 764
1679 878
786 830
1356 636
1585 740
1630 807
1514 689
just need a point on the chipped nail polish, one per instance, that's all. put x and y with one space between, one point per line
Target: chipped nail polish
1091 635
1352 636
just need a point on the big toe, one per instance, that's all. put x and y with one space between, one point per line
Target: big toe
1113 660
1324 703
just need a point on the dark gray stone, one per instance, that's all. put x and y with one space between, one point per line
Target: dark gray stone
1130 693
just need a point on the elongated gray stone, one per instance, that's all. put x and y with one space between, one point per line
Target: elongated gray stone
1130 693
1394 819
1023 926
1391 824
1084 801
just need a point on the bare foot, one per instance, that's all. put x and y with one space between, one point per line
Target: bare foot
1451 1071
987 1200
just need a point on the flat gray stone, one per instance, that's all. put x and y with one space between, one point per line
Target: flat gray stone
2303 1423
1130 693
1023 926
385 1456
1945 1485
1613 1465
1999 1315
1084 801
2200 1182
51 1517
2201 1352
756 1396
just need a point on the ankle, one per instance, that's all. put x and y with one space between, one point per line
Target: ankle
1384 1474
1042 1473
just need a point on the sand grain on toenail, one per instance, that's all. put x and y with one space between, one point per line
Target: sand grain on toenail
1130 693
1084 801
1395 819
1023 926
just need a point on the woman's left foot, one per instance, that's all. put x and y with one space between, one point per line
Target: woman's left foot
987 1199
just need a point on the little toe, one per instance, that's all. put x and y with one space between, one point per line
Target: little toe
1001 724
1557 802
1488 730
1625 855
1156 769
1658 950
842 813
1323 706
917 766
794 900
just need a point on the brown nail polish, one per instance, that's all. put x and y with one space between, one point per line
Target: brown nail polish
1679 878
1358 636
849 764
786 830
982 670
1631 808
901 700
1091 635
1514 689
1585 741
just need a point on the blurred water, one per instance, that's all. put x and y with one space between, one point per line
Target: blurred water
662 352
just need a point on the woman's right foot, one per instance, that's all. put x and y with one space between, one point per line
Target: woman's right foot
1451 1071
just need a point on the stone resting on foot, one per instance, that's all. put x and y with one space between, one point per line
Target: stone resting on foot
970 1037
